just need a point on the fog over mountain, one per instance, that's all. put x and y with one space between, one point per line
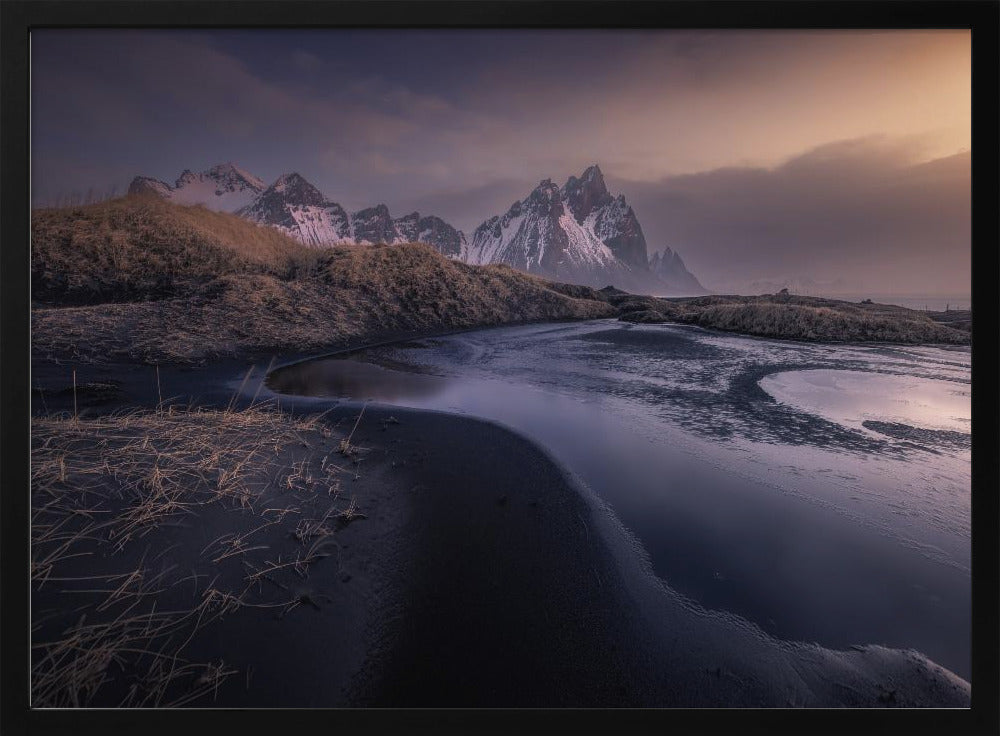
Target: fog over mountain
853 216
759 156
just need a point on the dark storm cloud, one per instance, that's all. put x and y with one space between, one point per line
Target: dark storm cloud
461 123
858 212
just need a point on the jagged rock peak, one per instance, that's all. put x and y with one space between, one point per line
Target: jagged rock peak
374 225
545 197
578 232
585 194
187 176
592 179
221 178
294 189
238 178
668 266
379 210
224 187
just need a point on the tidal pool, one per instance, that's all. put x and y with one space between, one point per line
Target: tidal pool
851 398
763 478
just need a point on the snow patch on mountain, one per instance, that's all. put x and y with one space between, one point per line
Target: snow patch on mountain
581 233
297 208
224 187
585 248
578 232
318 226
569 232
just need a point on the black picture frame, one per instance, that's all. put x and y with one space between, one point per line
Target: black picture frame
19 18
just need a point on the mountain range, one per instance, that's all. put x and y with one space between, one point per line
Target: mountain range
223 187
579 232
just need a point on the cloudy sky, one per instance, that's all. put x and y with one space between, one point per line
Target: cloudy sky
842 158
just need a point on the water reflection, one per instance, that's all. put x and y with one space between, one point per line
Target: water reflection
808 526
853 397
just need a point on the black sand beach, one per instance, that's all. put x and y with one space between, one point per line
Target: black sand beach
481 574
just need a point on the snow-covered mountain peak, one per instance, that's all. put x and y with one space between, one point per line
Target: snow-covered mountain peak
592 178
294 189
431 230
579 232
296 207
286 180
221 179
222 187
233 178
543 233
544 197
585 194
374 225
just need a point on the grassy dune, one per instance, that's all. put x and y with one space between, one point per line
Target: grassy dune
795 317
142 248
141 278
116 622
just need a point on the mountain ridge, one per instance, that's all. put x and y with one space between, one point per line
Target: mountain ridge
578 232
300 210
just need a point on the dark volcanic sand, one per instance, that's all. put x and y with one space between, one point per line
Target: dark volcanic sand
508 596
483 577
475 545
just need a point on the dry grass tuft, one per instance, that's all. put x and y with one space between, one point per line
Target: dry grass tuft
102 628
226 287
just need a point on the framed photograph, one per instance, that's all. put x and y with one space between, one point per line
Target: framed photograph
507 366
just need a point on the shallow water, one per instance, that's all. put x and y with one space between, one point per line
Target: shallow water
822 492
852 398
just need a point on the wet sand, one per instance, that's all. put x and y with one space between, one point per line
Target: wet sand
483 575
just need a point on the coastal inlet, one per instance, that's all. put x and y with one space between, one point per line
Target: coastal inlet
819 491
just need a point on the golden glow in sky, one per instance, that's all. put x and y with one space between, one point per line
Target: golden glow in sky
841 156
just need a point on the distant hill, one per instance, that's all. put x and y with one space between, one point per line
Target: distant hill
791 317
140 277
